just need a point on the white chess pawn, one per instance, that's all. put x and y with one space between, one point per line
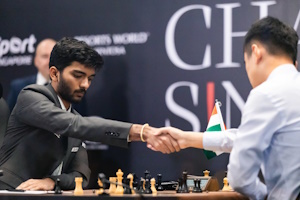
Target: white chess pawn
226 186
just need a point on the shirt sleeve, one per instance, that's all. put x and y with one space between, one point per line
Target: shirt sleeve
260 120
221 141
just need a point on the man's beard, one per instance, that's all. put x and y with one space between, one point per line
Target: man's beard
65 92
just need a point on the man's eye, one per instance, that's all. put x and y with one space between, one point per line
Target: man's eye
77 76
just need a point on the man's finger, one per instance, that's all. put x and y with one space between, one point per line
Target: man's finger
175 144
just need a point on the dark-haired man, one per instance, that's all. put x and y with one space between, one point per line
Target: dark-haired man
269 134
41 63
44 133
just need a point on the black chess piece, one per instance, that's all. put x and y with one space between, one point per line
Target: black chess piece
57 187
179 188
197 188
184 188
141 190
127 190
148 187
147 175
135 182
159 180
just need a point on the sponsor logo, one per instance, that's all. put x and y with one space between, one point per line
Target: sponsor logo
14 51
114 44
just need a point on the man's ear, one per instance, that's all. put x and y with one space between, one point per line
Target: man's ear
54 73
257 52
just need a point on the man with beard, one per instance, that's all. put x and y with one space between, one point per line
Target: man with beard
41 63
44 133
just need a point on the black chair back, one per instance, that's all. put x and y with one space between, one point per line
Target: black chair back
4 115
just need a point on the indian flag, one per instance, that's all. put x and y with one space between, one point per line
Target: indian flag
215 123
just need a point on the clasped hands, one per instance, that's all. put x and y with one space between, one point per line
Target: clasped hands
166 140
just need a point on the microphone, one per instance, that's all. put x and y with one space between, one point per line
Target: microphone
1 172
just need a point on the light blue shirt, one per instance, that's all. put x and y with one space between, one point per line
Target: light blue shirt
269 138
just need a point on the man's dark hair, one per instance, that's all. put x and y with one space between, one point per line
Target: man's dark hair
277 37
68 50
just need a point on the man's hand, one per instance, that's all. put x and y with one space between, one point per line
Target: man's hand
37 184
184 139
174 133
159 140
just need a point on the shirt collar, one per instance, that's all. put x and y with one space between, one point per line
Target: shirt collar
63 106
283 69
40 79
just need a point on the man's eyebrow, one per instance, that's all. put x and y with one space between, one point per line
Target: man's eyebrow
81 72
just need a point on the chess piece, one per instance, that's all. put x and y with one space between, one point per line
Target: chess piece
120 189
57 187
130 176
78 186
226 186
197 188
112 186
127 190
148 187
101 190
142 186
179 188
159 180
135 183
153 189
184 188
206 173
147 175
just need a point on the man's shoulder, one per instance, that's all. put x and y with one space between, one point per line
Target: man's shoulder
38 92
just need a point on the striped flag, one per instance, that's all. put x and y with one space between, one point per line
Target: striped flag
215 123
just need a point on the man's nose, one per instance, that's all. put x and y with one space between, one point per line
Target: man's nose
85 83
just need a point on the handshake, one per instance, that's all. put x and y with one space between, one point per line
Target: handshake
166 139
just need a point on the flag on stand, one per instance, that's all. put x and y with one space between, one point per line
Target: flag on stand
215 123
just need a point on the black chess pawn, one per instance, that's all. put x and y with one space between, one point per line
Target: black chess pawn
148 187
179 187
57 187
142 190
184 188
159 180
197 188
127 189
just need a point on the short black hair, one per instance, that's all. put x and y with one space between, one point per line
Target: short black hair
277 37
68 50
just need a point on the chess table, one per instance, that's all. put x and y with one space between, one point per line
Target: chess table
91 194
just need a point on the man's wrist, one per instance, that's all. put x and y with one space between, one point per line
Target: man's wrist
134 132
137 132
